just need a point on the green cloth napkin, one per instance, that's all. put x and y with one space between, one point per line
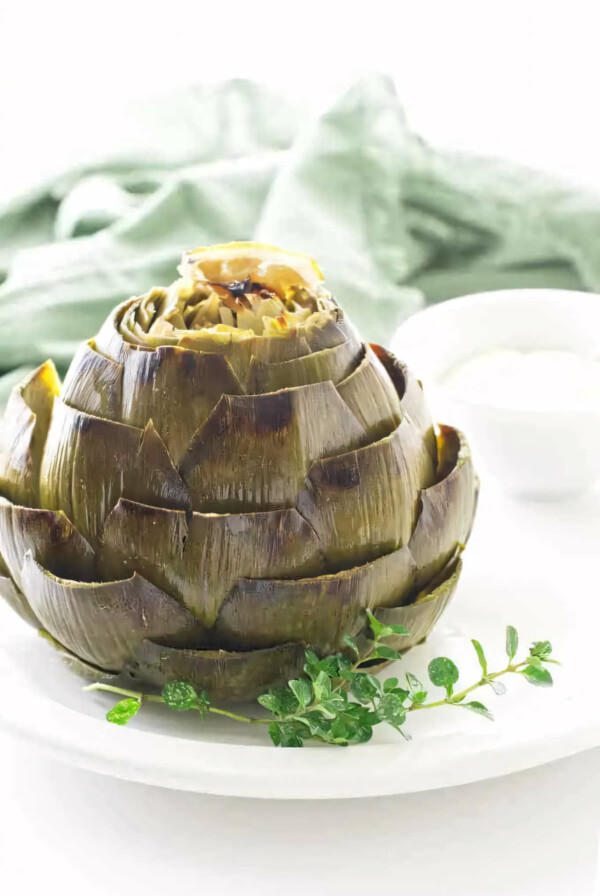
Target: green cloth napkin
392 222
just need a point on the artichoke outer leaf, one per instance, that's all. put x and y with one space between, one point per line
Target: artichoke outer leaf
317 611
333 364
224 675
104 622
89 463
447 508
199 558
278 435
175 388
94 383
372 397
17 601
421 616
75 663
23 434
365 502
49 536
412 397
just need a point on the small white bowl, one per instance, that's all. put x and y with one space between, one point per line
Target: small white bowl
538 454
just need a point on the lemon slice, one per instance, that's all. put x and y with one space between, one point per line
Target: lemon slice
277 270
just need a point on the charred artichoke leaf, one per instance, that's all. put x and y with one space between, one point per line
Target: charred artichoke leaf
365 503
175 388
447 508
412 397
94 383
17 601
372 397
224 675
254 451
317 611
104 622
23 434
49 536
421 616
89 463
333 364
199 559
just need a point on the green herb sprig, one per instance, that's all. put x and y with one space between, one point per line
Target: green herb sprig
339 702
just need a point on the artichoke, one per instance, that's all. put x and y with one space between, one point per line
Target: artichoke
227 476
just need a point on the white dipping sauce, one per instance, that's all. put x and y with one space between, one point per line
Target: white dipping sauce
535 380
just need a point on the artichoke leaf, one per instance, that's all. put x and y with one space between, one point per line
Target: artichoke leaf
23 433
175 388
198 558
447 508
365 503
85 480
17 601
372 397
50 537
317 611
94 383
254 451
422 615
109 340
104 622
412 397
333 364
224 675
75 663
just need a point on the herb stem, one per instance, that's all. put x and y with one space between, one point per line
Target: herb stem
457 698
155 698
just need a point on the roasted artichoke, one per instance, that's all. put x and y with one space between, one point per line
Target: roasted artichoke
226 477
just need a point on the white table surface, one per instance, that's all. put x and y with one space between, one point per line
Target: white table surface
69 831
535 832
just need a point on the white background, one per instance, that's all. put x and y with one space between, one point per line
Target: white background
519 79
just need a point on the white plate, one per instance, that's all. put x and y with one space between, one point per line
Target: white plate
533 566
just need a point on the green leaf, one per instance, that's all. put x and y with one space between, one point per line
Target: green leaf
534 660
443 673
418 694
512 642
480 656
413 682
362 734
389 684
391 710
398 629
380 630
180 696
542 649
302 691
123 711
322 687
479 708
385 653
291 735
538 675
275 733
352 644
311 664
280 701
365 686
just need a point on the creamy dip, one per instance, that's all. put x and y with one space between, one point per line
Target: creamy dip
534 380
